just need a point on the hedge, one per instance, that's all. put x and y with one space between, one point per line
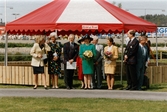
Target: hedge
11 45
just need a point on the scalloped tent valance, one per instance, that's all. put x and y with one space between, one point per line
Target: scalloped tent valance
79 16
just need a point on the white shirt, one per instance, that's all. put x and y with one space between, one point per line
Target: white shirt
144 50
109 48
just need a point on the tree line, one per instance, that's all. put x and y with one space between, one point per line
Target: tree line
158 19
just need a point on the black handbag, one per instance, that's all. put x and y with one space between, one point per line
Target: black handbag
46 59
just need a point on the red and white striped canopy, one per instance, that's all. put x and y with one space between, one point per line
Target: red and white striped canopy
79 16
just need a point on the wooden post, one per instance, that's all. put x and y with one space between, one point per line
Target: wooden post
1 74
160 55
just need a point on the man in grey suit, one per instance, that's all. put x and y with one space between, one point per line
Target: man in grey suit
142 57
97 76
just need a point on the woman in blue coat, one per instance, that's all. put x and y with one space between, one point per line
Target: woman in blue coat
87 52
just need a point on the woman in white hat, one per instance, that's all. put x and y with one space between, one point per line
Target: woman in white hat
54 62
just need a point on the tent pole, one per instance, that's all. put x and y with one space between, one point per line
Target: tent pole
6 41
156 50
56 32
6 50
122 56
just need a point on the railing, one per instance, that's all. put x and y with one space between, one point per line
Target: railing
23 75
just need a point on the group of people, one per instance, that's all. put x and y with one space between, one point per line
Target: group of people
88 57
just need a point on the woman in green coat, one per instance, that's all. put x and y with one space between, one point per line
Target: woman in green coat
87 52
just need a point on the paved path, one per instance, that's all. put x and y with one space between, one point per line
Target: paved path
76 93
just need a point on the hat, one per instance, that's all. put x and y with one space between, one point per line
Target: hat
87 37
95 37
80 40
53 34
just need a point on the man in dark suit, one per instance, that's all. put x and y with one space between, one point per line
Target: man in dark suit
70 54
142 57
97 76
130 58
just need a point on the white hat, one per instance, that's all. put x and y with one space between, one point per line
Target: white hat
95 37
53 34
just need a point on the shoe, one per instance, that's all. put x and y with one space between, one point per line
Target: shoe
68 88
72 88
56 87
46 88
133 88
89 88
128 87
82 86
35 87
53 87
85 88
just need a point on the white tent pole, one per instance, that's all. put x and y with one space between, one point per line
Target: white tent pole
56 32
156 50
122 56
6 41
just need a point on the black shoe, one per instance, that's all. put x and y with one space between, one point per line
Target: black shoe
85 88
90 88
68 88
46 88
72 88
133 88
35 87
128 87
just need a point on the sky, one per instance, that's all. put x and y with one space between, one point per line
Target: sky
136 7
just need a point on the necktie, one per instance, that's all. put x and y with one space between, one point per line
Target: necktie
129 43
72 45
143 51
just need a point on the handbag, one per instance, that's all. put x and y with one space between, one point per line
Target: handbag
45 60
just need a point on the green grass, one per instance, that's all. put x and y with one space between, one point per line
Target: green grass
21 104
48 104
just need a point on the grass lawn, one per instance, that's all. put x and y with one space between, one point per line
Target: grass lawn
13 104
45 104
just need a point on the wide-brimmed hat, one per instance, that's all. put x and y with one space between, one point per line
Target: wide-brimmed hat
80 40
87 37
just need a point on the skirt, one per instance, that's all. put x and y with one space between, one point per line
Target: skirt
109 69
38 70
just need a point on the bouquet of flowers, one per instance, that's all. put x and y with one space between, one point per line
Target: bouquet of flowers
108 54
88 54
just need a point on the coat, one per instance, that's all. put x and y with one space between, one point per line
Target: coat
110 68
35 50
70 53
131 51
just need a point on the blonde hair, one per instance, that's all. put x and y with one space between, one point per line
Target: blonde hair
39 38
